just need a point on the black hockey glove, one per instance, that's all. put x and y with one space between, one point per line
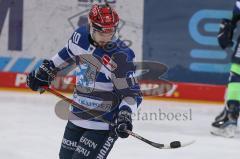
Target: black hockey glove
42 76
225 33
123 122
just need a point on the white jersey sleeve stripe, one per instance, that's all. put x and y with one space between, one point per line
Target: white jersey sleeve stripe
75 49
238 4
132 105
57 60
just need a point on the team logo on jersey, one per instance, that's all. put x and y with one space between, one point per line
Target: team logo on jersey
85 78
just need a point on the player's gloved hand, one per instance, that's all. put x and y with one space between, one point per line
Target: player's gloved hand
225 33
42 76
123 122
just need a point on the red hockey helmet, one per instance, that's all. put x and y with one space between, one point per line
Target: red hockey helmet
103 18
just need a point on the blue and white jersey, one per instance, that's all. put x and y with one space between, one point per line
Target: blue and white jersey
100 73
236 9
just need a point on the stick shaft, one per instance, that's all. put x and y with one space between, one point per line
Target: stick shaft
135 135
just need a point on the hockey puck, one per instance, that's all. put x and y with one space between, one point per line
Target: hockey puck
175 144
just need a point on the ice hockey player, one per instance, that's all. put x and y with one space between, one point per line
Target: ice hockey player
89 137
225 123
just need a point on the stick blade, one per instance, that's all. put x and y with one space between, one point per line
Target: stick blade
177 144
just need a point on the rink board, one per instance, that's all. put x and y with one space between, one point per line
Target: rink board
179 90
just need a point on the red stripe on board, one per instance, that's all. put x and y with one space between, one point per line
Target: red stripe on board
179 90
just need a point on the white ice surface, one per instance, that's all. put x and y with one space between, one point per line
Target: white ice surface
29 129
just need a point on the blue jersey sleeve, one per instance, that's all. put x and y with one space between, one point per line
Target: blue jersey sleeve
236 13
125 81
236 9
76 45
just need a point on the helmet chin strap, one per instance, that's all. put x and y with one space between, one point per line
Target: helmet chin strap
115 36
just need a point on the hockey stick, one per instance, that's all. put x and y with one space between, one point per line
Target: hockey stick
174 144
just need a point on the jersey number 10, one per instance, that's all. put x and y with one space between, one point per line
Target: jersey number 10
76 37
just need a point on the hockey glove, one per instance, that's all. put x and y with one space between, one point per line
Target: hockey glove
123 122
42 76
225 34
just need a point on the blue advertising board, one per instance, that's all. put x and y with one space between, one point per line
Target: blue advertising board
183 35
